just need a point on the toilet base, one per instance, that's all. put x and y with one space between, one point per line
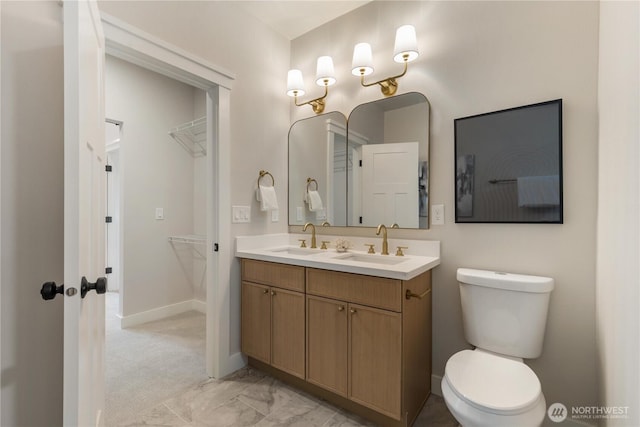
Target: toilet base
470 416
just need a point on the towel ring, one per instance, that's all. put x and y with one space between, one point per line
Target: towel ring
262 174
309 181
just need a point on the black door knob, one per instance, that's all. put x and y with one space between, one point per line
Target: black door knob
100 286
50 290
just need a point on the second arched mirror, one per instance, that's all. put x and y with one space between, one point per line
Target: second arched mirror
388 143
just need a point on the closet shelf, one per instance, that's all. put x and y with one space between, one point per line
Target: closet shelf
192 136
189 238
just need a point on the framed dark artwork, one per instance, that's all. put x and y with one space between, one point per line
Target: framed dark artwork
508 165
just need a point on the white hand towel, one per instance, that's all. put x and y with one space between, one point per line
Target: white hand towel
267 198
538 191
315 201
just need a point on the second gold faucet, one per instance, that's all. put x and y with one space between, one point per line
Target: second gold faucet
313 234
385 243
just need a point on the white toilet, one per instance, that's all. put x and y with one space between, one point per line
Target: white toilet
504 317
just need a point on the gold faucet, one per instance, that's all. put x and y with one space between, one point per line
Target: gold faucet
385 244
313 234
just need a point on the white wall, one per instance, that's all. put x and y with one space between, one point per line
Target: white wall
478 57
618 270
222 33
32 213
157 172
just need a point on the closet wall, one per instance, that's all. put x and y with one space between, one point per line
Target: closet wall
160 277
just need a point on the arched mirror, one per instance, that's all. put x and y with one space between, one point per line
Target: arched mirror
318 170
388 145
381 176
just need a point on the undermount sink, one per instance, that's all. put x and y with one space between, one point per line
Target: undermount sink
373 259
297 251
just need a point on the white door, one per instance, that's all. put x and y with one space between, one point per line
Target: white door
84 227
390 184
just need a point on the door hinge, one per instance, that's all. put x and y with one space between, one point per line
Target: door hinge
360 220
108 219
108 168
108 270
215 247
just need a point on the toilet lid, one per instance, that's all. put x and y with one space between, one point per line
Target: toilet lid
491 382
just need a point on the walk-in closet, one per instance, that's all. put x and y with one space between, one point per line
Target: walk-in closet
156 228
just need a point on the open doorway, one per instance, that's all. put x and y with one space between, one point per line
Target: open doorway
156 238
130 43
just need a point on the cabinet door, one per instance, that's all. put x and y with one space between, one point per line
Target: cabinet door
327 344
375 359
256 321
287 331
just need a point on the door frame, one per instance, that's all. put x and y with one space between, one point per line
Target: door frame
120 212
133 45
0 208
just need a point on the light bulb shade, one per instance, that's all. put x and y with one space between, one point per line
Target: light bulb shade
295 84
362 63
406 46
325 74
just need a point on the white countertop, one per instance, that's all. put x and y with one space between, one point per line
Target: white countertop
421 255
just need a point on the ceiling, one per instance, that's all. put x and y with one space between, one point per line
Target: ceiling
293 18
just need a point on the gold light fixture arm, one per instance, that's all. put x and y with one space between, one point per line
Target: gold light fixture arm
388 86
317 104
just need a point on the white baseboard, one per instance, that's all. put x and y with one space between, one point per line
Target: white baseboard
200 306
162 313
236 361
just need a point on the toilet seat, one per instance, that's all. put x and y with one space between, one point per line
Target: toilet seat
493 383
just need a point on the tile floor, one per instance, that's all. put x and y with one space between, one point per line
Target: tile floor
155 376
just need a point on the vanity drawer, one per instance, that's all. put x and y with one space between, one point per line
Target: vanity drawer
357 288
273 274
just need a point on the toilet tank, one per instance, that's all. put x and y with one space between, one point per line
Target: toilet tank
503 312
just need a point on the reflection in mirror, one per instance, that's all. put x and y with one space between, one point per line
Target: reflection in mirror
317 170
389 150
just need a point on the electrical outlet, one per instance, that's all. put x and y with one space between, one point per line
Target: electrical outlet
299 213
275 216
437 214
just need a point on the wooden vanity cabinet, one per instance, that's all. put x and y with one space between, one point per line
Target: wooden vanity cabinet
273 315
367 342
367 339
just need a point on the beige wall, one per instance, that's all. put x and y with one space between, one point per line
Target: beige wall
618 270
478 57
157 172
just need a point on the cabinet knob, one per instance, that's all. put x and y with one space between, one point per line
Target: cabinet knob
341 308
273 293
353 311
266 291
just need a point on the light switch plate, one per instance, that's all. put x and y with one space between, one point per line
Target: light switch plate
240 214
275 215
299 213
437 214
159 213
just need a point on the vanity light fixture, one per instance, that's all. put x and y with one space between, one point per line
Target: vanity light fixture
405 50
325 76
